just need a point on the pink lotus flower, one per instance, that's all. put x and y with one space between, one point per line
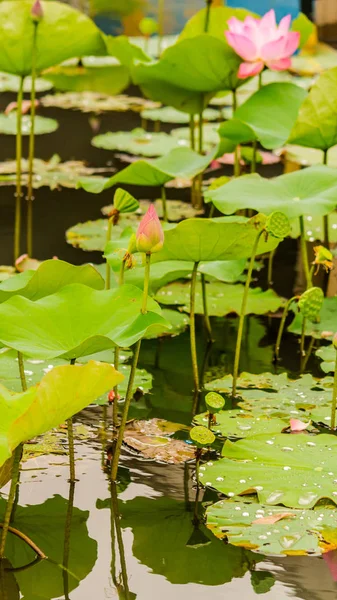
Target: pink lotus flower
37 11
261 42
150 236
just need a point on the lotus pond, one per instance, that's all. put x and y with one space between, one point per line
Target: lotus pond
168 307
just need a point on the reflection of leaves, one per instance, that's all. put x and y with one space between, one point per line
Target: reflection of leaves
45 524
153 440
95 102
296 532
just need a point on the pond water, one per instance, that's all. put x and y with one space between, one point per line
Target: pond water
145 552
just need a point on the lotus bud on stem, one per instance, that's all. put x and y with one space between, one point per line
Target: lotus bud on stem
149 238
334 392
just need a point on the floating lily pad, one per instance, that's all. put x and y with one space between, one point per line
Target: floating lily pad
6 272
210 135
111 80
11 83
273 530
293 470
92 234
222 299
309 63
240 424
97 103
326 324
167 114
308 156
153 440
138 142
42 125
328 355
177 210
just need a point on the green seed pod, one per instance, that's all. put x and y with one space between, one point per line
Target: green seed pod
310 303
278 225
148 26
124 202
201 436
214 402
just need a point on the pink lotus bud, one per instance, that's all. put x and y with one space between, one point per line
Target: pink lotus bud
37 11
112 396
150 235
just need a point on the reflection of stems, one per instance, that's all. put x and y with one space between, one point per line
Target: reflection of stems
115 511
243 313
11 497
282 325
237 149
28 541
204 302
334 398
304 252
198 454
107 266
192 329
308 353
205 363
160 25
22 372
67 534
164 203
17 227
71 449
30 196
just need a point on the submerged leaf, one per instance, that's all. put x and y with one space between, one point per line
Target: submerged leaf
96 102
153 440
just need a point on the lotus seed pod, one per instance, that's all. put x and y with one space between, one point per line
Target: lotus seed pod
125 202
334 341
310 303
201 436
278 225
214 402
148 26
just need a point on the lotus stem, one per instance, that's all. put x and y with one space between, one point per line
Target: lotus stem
120 543
204 302
146 282
282 325
17 226
164 203
107 266
161 8
22 372
67 534
308 353
194 356
192 132
253 163
116 359
270 267
30 195
237 169
143 124
334 398
11 498
304 252
186 487
28 541
302 350
208 14
201 132
243 313
157 126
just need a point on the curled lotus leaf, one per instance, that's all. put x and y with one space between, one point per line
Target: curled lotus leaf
273 530
125 202
278 225
310 303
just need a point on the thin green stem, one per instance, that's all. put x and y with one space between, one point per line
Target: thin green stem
334 398
146 282
17 226
11 498
29 542
204 302
270 267
253 163
192 132
115 402
67 534
107 266
326 217
164 203
308 353
243 313
302 346
194 356
161 8
22 372
208 14
282 325
304 253
201 133
237 169
30 195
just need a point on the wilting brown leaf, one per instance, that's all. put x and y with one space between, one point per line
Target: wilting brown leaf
153 440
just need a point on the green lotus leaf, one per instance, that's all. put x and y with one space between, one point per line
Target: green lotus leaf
92 234
214 239
316 124
125 202
167 114
62 33
138 142
222 298
61 393
124 50
210 137
77 321
218 18
326 327
51 276
11 83
268 116
273 530
305 156
189 73
306 28
178 321
237 424
179 162
42 125
47 577
293 470
311 191
314 230
111 79
328 355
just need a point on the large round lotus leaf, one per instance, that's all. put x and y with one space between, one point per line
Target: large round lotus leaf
189 73
76 321
314 228
210 135
109 80
62 33
92 234
167 114
178 321
241 424
179 162
268 116
51 276
308 156
47 577
121 48
137 142
212 239
328 355
212 563
293 470
316 124
61 393
222 298
310 191
309 63
273 530
153 439
326 324
41 124
11 83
